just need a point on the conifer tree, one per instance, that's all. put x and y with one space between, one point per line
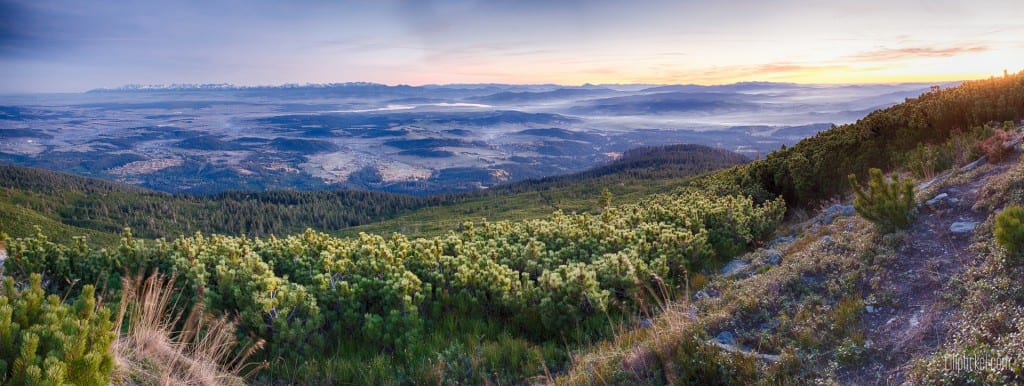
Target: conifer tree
1010 232
890 205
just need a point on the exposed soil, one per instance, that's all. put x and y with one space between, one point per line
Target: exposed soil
913 320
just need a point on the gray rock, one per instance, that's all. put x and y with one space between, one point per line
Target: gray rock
646 323
870 309
930 183
848 210
775 257
725 337
734 267
781 240
734 349
975 164
963 226
836 210
702 294
826 240
937 199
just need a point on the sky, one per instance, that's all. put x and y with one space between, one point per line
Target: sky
74 45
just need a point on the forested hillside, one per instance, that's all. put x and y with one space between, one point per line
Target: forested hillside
815 168
102 206
110 207
638 174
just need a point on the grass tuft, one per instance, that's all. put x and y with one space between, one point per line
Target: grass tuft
157 346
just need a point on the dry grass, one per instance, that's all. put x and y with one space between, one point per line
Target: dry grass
153 351
678 341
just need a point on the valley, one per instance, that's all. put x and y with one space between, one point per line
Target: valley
403 139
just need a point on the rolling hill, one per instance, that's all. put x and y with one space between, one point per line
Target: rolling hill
94 205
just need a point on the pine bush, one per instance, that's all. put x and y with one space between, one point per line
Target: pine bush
46 342
1010 232
890 205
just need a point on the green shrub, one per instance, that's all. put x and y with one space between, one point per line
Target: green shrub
890 205
927 160
44 341
1010 232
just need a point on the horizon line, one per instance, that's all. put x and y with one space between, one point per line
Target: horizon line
228 86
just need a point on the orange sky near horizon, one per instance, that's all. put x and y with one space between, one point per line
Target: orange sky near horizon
53 45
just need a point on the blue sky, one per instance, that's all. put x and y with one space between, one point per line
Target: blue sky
48 45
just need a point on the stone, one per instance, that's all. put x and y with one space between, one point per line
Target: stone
836 210
781 240
775 257
734 267
963 226
746 351
702 294
870 309
848 210
646 323
725 337
937 199
930 183
826 240
975 164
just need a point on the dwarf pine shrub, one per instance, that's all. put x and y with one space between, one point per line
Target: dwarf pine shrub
890 205
1010 232
45 341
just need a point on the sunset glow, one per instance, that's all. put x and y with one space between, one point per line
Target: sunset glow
60 46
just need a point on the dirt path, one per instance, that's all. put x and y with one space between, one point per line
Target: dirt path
912 320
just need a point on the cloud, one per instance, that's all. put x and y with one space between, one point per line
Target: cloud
893 54
772 68
781 69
